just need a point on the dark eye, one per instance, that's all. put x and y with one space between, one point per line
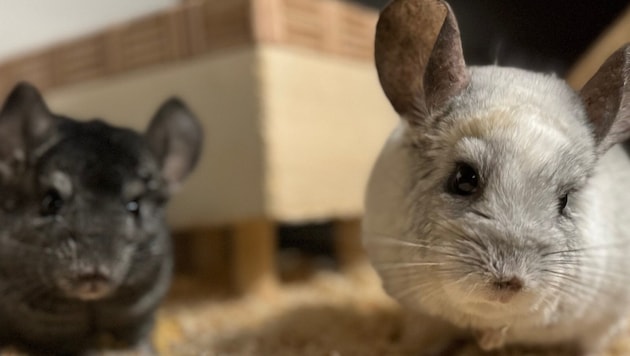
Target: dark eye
52 203
464 180
562 203
133 206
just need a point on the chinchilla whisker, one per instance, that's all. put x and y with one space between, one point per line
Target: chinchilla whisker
394 265
432 294
579 293
401 272
453 255
563 275
432 290
402 280
472 289
569 295
583 264
461 278
473 245
475 266
415 271
576 283
545 304
618 275
570 288
451 229
392 240
406 243
587 248
586 256
618 271
458 280
456 271
412 289
400 236
550 300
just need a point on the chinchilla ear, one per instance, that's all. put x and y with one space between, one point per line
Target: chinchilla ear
606 98
419 58
175 136
25 124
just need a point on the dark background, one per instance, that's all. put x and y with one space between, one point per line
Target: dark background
545 35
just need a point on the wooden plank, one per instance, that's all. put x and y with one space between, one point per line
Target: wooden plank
147 42
329 26
254 256
194 17
208 254
176 23
355 32
266 20
305 24
214 25
227 24
196 27
348 247
80 60
35 68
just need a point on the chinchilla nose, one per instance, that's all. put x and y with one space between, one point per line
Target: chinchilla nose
91 283
94 274
508 284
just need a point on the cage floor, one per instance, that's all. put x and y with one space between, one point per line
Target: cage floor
330 314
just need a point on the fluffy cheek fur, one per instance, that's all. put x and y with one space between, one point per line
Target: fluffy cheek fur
58 256
73 259
445 266
446 260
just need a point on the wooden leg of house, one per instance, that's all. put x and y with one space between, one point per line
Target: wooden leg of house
347 237
208 255
253 256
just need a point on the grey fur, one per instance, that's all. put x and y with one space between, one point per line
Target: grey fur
531 141
90 264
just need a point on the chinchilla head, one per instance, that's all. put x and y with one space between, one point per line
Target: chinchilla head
479 198
82 203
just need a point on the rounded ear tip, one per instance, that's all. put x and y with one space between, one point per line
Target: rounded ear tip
174 101
24 89
23 84
24 95
418 55
175 136
175 109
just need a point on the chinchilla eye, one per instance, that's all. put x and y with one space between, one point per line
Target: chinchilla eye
133 206
562 203
51 203
464 180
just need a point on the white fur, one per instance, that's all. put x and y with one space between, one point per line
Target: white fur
541 121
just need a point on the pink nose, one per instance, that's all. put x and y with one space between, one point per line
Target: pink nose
92 286
93 274
513 284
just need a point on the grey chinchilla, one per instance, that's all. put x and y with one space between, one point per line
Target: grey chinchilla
85 252
499 206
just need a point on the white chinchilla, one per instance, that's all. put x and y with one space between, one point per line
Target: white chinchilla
501 203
